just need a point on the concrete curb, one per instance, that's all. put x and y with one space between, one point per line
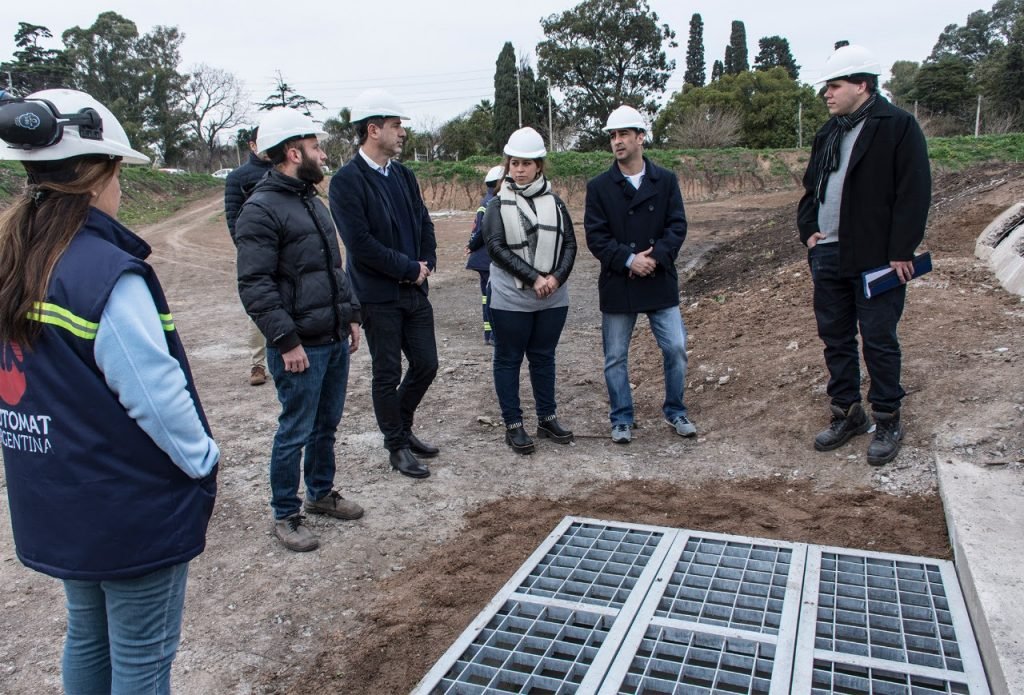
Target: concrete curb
985 515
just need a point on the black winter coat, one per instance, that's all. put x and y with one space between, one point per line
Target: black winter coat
621 220
290 277
238 186
369 228
886 193
502 256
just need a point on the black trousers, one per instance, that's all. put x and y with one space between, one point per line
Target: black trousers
842 311
403 327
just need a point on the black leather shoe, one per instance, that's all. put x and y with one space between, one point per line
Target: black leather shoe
517 438
552 429
405 463
422 449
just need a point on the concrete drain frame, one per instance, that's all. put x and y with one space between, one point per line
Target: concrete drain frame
609 607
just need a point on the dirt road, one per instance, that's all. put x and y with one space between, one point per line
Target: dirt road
384 596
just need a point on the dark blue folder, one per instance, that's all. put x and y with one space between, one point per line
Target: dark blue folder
884 278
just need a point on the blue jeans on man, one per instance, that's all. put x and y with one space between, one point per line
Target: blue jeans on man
312 403
670 334
123 633
842 311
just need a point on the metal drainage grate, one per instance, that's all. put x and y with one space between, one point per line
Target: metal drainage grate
604 607
529 648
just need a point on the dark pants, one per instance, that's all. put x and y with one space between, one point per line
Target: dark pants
841 311
533 334
405 326
485 277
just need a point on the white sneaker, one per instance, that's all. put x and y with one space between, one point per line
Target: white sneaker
683 426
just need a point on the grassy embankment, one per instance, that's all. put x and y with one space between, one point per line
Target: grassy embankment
148 195
771 167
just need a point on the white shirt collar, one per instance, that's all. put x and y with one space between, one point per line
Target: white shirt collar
373 165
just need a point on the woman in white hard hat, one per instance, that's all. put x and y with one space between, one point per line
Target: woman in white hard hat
476 253
530 239
110 467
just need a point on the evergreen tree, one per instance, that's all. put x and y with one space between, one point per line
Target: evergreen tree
774 52
506 98
718 69
35 68
285 95
736 60
695 67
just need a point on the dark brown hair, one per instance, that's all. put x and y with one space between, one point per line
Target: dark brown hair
35 231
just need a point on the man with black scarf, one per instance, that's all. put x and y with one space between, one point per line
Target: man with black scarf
867 193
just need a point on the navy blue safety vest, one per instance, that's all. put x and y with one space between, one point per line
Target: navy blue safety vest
91 495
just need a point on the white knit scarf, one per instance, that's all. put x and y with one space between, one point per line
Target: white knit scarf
534 236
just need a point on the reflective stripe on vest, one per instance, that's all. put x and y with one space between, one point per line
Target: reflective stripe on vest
55 315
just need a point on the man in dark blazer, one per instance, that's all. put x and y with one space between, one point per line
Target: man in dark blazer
635 224
867 193
391 251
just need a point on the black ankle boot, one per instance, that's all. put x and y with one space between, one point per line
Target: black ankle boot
552 429
517 438
844 425
888 435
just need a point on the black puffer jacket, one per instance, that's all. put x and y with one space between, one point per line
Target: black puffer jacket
290 276
239 185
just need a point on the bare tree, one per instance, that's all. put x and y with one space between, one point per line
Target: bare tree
705 128
214 102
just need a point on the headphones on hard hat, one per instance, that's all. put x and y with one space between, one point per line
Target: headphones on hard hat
30 124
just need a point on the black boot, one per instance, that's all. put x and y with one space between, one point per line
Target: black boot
844 425
517 438
888 435
550 427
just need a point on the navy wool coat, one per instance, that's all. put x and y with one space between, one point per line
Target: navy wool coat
621 220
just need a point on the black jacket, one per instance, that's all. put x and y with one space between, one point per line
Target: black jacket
238 186
369 228
290 277
503 257
621 220
886 193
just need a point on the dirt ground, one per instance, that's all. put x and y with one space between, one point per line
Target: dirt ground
384 596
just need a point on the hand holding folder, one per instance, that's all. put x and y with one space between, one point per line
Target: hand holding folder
885 278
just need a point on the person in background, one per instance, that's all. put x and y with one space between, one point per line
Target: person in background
867 190
532 246
238 186
476 252
109 463
636 224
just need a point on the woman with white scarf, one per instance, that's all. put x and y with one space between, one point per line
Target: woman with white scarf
532 246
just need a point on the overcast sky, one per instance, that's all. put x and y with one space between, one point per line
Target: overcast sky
438 57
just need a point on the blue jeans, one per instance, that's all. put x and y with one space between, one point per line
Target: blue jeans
841 311
392 329
123 633
311 406
533 334
670 333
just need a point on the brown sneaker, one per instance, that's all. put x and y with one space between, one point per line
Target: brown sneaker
294 535
333 504
258 375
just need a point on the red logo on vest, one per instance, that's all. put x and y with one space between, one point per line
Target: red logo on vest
12 378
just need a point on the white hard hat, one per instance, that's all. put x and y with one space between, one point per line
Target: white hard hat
526 143
57 124
625 117
376 103
495 174
284 124
849 60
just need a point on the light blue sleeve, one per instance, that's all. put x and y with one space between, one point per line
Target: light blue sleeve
629 261
131 351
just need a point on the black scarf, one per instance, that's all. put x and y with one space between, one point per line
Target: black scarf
828 157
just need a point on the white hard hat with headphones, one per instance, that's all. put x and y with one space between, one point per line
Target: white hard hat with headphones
849 60
57 124
495 174
284 124
625 117
526 143
376 103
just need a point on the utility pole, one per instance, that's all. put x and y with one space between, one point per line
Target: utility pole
800 124
551 122
519 98
977 118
